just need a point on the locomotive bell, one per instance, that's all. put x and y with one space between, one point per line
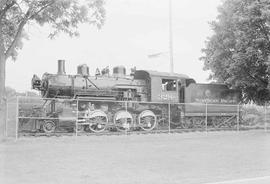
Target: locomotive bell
83 70
61 67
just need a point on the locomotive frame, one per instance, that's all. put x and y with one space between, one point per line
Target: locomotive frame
69 115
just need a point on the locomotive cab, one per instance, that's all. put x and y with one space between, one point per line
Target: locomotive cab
164 87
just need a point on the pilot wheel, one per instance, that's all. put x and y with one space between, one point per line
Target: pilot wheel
48 126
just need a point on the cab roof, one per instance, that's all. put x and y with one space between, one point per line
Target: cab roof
151 73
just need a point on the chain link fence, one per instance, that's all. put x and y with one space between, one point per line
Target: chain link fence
27 116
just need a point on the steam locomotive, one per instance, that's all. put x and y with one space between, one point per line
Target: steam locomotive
142 100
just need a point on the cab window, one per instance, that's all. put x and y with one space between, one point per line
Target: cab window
168 85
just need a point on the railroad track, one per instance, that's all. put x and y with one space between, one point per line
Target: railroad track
112 133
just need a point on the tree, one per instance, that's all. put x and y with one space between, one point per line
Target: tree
238 53
61 15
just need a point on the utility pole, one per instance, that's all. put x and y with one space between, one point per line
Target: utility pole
170 37
170 41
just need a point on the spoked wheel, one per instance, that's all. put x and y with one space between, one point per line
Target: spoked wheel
48 126
98 121
147 120
123 120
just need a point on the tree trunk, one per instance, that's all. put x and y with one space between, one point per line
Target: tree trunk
2 76
2 68
2 92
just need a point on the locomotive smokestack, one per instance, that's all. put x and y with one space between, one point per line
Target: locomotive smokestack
61 67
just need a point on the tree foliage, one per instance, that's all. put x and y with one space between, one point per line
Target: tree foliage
238 53
60 15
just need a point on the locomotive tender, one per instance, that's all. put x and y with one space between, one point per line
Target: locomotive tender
136 101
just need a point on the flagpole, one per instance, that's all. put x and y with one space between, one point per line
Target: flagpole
170 37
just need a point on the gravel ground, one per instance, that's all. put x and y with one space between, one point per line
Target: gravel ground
154 158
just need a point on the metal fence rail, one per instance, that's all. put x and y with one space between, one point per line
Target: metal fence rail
39 116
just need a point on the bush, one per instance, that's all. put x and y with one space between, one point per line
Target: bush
253 115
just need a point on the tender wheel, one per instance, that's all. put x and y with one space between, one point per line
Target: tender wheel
123 120
98 121
198 122
48 126
147 120
193 123
225 122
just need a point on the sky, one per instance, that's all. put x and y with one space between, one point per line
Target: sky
133 30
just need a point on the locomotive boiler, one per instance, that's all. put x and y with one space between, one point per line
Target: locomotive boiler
140 101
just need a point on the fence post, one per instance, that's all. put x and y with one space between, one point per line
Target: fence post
17 118
126 107
206 114
169 109
6 119
265 113
238 116
77 114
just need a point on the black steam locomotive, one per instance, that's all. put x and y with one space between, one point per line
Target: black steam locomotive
142 100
